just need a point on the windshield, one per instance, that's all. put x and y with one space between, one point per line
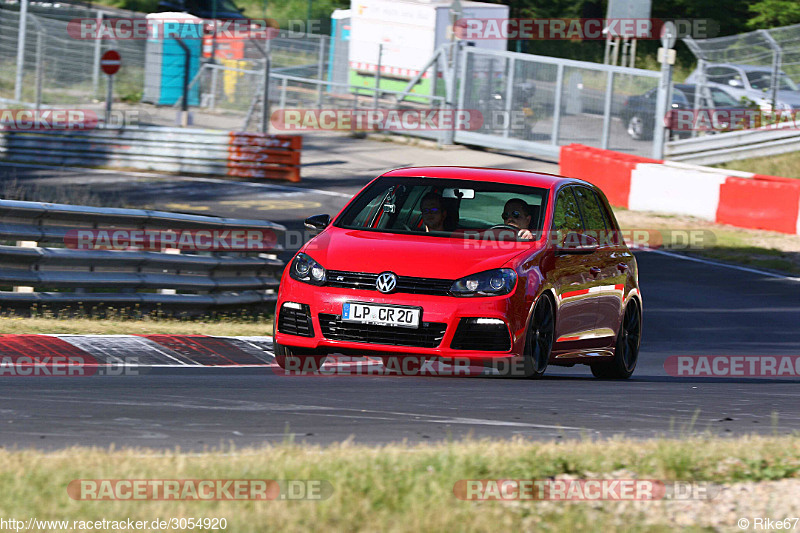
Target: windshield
443 208
761 79
722 99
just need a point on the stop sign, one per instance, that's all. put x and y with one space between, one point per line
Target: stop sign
110 62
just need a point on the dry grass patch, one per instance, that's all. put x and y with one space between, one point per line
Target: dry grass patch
395 487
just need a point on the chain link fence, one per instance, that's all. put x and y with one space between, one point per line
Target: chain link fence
538 103
759 68
59 69
528 103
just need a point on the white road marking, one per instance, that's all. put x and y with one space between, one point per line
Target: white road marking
725 265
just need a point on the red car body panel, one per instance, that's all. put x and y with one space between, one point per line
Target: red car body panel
589 291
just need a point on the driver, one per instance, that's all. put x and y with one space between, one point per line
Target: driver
517 213
433 213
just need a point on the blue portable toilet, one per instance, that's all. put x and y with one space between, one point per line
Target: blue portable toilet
165 58
338 54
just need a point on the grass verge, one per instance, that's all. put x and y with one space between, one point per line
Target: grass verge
226 327
754 248
399 487
785 165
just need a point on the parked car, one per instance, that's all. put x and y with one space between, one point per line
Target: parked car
638 112
375 282
753 83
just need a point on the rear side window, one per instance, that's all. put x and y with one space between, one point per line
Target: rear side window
590 209
567 216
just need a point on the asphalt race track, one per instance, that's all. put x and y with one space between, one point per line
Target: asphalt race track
691 308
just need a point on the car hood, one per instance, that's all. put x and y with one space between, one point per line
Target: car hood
410 255
790 97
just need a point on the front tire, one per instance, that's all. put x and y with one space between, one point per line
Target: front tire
637 129
298 359
626 352
539 340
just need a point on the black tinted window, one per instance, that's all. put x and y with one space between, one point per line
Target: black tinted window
590 209
567 216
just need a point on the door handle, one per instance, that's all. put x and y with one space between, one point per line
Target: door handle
595 271
622 267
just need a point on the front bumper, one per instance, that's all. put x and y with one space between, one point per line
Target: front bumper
324 305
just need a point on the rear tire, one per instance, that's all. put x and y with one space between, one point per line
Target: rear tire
626 352
298 359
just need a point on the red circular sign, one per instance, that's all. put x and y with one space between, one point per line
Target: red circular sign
110 62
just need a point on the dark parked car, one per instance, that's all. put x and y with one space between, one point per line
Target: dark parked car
638 112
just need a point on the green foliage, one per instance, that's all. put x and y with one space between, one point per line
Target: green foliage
772 13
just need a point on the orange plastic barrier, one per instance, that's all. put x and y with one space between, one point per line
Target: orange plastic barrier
258 155
759 203
609 170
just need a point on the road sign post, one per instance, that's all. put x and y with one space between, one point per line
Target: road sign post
110 63
669 35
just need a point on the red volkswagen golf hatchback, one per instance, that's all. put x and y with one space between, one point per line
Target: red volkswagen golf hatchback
504 268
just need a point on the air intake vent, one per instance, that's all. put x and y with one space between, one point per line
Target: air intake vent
482 335
292 321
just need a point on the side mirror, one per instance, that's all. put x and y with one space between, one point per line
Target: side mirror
318 222
578 243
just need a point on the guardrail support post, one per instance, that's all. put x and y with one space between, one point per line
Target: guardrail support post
265 96
607 110
185 103
23 21
557 104
98 44
25 244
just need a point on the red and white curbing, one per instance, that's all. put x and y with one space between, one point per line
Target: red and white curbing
139 350
742 199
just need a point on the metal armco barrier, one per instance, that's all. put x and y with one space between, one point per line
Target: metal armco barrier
58 276
735 145
192 151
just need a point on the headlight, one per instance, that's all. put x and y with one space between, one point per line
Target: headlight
490 283
304 268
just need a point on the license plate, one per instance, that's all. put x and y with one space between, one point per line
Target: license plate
382 315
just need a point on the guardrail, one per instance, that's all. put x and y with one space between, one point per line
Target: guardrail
194 151
58 276
735 145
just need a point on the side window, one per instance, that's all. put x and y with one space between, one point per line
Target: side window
567 216
720 74
590 209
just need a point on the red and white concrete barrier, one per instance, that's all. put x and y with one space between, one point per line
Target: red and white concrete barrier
732 197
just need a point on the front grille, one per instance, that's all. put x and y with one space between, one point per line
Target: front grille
428 335
471 335
405 284
295 321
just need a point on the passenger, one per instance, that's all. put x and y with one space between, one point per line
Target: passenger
517 213
433 214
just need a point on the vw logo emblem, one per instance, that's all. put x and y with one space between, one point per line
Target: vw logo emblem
386 282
